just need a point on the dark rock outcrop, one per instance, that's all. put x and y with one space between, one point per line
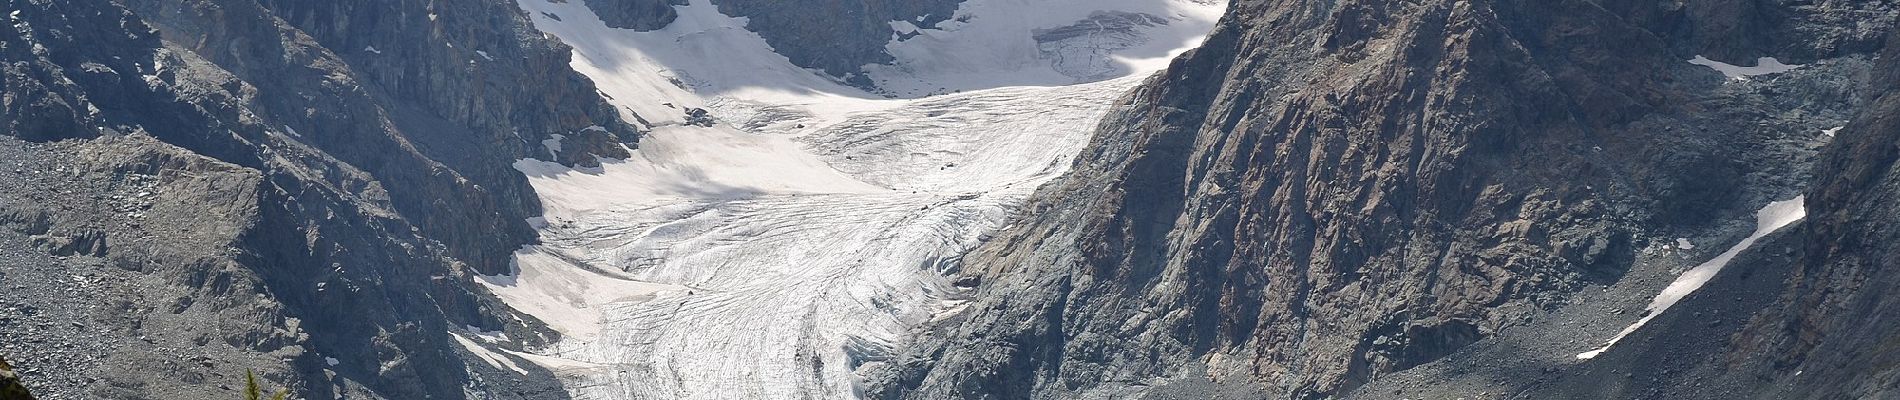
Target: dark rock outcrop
639 15
10 387
1330 191
835 36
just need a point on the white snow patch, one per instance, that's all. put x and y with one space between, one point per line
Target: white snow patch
484 55
1683 244
486 336
904 27
1763 66
332 361
372 49
494 359
553 144
1829 132
1770 218
292 131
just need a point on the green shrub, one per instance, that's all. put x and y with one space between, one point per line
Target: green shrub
252 392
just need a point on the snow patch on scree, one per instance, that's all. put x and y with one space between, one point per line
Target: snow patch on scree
1770 218
1763 66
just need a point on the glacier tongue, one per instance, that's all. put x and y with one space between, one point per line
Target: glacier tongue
771 254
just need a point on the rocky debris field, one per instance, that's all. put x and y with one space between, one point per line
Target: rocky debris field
83 316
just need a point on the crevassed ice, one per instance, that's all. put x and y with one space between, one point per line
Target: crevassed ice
803 235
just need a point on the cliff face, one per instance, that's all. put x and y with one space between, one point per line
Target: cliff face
196 188
441 83
1795 315
1330 191
639 15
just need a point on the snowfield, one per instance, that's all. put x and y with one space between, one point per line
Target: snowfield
810 229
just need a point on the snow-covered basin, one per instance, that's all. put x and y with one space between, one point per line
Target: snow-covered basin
1768 219
807 232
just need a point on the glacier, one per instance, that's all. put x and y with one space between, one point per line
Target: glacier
812 228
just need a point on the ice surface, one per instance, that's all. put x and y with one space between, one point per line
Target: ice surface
564 293
770 255
1763 66
1767 220
991 43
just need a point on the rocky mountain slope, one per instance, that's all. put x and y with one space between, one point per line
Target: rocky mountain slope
1841 266
1329 192
200 187
419 199
1796 315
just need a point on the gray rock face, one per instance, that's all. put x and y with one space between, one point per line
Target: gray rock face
639 15
1329 192
835 36
272 185
1798 315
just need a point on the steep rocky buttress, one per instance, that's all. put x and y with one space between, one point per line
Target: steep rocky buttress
1327 192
